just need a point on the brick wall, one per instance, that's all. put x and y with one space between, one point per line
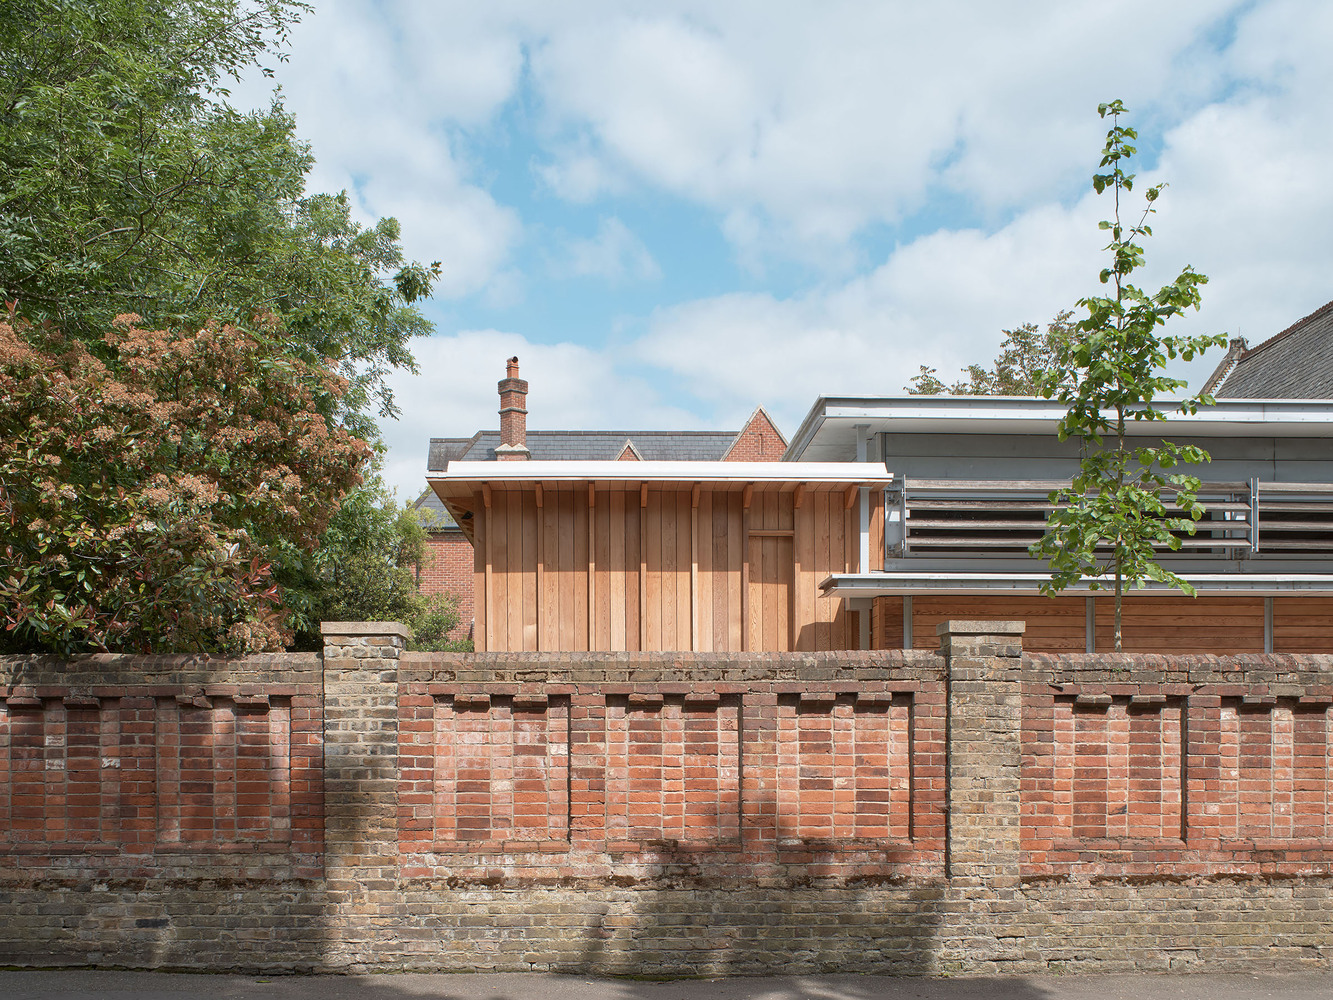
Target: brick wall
973 809
1187 765
532 768
758 441
448 569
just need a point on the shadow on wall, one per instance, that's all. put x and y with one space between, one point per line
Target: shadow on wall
689 919
160 811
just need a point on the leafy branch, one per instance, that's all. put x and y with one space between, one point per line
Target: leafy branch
1115 517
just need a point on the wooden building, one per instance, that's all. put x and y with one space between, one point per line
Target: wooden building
888 515
665 555
448 565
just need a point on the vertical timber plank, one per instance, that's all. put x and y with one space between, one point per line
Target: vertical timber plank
684 581
704 544
619 528
694 570
531 570
481 574
652 543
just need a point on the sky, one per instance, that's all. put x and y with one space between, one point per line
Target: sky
675 212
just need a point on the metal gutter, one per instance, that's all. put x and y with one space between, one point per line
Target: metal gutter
893 584
1031 415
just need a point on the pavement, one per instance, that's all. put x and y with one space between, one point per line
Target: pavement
85 984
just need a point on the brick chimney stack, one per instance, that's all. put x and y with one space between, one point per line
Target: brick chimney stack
513 445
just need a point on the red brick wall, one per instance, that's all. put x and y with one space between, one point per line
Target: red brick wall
448 570
171 767
590 775
1182 765
758 441
980 810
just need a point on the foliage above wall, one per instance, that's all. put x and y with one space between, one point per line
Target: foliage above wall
142 500
172 490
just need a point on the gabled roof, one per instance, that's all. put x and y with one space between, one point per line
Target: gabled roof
753 433
629 453
1295 364
587 446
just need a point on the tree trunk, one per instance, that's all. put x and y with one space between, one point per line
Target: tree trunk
1119 590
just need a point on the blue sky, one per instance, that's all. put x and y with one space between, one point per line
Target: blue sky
675 212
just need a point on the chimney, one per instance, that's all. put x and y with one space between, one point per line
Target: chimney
513 445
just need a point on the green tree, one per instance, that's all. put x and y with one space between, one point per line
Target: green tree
1026 352
364 570
1115 517
128 184
141 502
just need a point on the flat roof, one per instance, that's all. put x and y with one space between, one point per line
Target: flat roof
500 474
830 426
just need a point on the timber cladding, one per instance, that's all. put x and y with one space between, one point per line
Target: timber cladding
1153 623
974 809
580 568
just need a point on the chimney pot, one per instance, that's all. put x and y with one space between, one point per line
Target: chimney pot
513 415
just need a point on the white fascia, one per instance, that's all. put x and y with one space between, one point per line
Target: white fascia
640 472
1030 415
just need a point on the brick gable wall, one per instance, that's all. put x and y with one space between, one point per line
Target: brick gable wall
758 441
448 569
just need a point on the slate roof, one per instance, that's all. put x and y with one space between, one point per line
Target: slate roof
588 446
1295 364
441 519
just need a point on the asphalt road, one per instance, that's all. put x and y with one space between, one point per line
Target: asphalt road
85 985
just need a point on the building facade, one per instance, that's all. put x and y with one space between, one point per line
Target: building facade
971 479
450 567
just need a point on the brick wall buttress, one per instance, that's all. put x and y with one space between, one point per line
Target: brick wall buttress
361 787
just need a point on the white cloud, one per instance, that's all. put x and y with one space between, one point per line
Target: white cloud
941 301
377 98
614 253
1248 205
800 127
824 119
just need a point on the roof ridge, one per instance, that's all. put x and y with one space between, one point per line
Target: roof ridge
1317 314
628 434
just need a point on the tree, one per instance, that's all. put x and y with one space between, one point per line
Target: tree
364 570
128 184
1114 518
1026 352
141 502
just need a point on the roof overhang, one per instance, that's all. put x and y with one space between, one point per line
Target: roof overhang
831 425
905 583
463 487
671 475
